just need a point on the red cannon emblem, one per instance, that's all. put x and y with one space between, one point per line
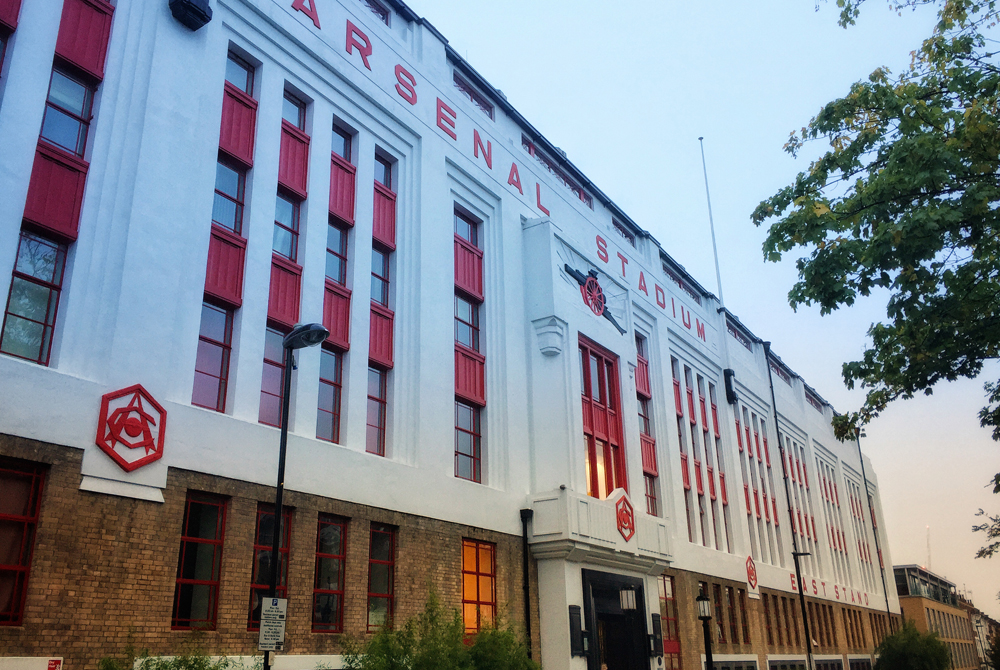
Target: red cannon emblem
626 518
131 428
593 296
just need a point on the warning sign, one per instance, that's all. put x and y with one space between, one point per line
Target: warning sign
272 624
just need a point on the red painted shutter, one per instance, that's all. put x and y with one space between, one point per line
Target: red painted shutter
704 412
774 507
678 404
588 421
239 124
224 277
468 268
283 301
722 488
648 446
337 314
746 494
756 440
756 502
813 519
711 481
642 378
470 375
384 225
342 181
693 417
697 477
9 9
715 421
55 192
84 30
767 511
767 452
685 474
739 437
380 335
293 161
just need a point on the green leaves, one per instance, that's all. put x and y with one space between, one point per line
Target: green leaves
909 649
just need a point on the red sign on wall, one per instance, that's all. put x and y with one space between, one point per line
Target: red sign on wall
131 428
626 518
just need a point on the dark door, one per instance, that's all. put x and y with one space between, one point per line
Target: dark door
618 635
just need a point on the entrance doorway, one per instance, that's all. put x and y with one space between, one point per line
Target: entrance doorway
617 622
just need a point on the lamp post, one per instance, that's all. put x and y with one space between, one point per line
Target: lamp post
304 335
705 614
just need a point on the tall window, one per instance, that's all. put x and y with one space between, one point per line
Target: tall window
744 620
466 323
668 623
30 316
479 576
602 430
263 560
293 110
272 382
20 500
286 227
731 602
380 276
230 187
328 589
67 113
375 437
381 576
199 563
239 73
211 370
336 253
468 442
342 143
720 622
383 171
328 415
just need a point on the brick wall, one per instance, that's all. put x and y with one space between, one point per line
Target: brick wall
104 568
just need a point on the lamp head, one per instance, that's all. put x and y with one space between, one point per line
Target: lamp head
305 335
704 607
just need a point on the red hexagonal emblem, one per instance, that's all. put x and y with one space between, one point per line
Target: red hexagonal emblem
131 428
626 518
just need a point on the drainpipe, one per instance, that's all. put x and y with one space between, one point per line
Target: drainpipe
791 516
871 512
526 515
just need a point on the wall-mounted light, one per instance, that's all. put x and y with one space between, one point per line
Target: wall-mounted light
627 597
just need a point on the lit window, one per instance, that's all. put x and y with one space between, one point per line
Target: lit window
293 110
380 276
199 564
239 73
375 436
230 186
342 143
263 561
605 461
477 98
381 576
336 253
211 370
286 227
328 588
328 415
30 316
272 382
479 576
468 442
21 483
383 172
379 10
466 323
67 113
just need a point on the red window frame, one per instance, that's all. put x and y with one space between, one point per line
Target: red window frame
260 584
212 363
387 559
467 228
381 283
744 621
336 252
668 621
293 110
467 325
377 409
328 584
18 542
331 372
290 228
83 116
602 425
237 199
379 10
237 66
479 580
383 171
191 549
52 284
650 484
272 383
344 143
468 458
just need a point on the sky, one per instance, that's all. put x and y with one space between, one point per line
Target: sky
627 89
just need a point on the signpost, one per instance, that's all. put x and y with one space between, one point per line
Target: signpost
272 624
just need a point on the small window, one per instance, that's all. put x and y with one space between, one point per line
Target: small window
30 317
67 113
468 442
466 323
377 401
239 73
380 276
272 383
330 385
467 228
328 588
211 370
381 576
383 171
230 193
21 483
624 232
263 561
336 253
379 10
479 591
286 227
342 143
293 110
199 565
477 98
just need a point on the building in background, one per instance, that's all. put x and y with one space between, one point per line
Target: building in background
512 359
934 605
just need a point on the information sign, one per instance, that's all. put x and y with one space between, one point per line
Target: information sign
272 624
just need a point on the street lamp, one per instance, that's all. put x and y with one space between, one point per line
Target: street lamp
705 614
303 335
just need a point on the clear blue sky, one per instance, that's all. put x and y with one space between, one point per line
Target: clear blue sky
627 88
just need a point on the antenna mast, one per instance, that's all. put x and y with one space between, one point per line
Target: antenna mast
711 222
